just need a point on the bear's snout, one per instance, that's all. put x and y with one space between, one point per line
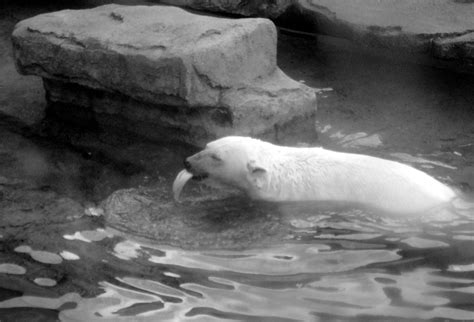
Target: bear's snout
196 169
191 163
187 165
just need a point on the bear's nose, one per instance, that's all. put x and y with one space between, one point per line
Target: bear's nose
187 164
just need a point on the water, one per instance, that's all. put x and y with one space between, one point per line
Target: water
230 259
287 262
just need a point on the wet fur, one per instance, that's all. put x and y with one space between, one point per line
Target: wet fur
277 173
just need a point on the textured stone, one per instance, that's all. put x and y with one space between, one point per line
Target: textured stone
456 48
441 29
262 8
195 77
411 25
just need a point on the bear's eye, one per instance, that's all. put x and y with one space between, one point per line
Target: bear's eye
215 157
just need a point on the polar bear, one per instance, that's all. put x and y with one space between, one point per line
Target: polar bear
277 173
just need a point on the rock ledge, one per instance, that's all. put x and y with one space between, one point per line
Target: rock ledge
439 33
161 69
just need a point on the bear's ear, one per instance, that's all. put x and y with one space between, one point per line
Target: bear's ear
257 174
254 168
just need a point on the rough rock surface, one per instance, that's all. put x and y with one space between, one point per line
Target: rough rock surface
262 8
230 223
24 207
442 29
417 26
187 77
456 48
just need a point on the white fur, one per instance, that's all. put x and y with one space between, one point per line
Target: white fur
276 173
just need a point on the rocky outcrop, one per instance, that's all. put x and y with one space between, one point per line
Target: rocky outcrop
410 27
442 30
456 48
162 72
261 8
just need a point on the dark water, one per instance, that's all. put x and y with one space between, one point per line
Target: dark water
337 265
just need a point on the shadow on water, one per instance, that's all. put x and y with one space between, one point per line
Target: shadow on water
146 257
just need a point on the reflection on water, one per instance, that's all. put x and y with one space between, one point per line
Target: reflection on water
356 267
60 260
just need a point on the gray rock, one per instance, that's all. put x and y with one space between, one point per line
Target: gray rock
456 48
407 25
441 29
261 8
161 69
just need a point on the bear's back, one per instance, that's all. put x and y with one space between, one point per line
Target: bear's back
390 185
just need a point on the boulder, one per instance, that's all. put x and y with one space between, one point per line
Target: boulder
261 8
440 30
161 72
410 27
456 48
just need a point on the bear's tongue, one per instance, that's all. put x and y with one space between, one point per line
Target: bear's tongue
178 184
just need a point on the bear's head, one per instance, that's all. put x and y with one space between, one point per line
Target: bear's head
232 160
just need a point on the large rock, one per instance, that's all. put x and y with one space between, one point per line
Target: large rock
409 26
456 48
162 72
262 8
443 30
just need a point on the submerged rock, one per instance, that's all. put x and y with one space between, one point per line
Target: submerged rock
22 207
161 72
230 223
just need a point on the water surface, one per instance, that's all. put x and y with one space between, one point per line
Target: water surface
212 259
